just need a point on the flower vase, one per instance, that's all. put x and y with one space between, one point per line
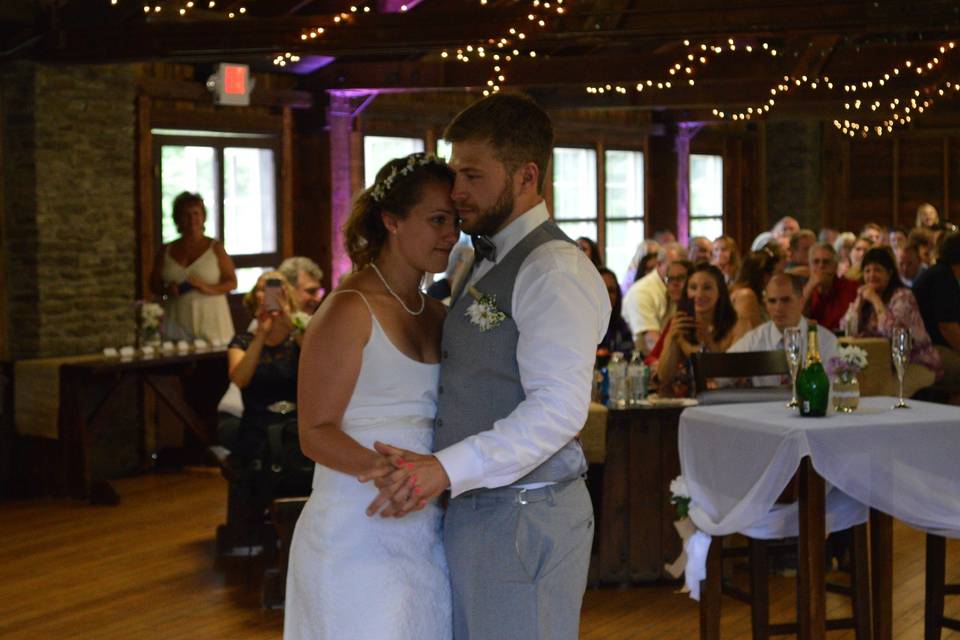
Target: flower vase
846 393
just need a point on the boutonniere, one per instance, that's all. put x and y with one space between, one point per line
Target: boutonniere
300 320
484 312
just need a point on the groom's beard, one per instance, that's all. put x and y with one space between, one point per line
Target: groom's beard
491 220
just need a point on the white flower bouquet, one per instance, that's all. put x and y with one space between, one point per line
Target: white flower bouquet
680 496
847 363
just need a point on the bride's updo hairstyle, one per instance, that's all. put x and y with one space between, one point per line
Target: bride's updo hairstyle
396 190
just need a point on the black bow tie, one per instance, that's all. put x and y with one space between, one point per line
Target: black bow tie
484 248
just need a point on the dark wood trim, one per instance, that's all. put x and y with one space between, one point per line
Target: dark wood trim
4 296
221 119
285 170
166 89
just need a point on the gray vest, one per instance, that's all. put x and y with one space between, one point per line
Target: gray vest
479 375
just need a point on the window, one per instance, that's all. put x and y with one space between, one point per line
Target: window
444 148
624 208
706 195
575 191
236 175
378 150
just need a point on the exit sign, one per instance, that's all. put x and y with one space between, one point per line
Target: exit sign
231 85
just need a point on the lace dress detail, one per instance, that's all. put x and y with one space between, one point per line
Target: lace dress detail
351 576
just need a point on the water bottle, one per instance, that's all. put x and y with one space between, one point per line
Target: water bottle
617 370
637 379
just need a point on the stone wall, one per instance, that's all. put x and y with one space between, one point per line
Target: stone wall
794 181
69 184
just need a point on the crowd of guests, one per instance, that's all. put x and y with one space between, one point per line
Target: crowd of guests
710 296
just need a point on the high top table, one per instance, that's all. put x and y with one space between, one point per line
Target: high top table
737 459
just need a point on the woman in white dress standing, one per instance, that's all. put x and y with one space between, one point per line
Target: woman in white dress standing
369 372
193 274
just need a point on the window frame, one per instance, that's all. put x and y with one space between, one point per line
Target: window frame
599 195
219 142
722 217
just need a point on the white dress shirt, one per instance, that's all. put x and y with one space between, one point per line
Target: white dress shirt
767 337
645 306
561 307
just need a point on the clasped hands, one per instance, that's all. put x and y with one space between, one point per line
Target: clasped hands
406 480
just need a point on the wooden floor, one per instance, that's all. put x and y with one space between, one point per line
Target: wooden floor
146 569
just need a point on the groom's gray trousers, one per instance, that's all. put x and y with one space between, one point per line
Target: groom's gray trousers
518 561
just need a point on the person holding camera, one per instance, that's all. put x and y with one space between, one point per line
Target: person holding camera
192 275
705 321
263 362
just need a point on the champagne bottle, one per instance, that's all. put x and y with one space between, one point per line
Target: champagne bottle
813 386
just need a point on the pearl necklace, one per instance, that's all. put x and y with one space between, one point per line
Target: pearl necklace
423 301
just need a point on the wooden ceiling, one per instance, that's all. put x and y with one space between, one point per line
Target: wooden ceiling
593 43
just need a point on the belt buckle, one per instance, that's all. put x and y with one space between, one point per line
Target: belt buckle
521 496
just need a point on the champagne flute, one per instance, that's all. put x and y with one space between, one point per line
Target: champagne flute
792 347
900 353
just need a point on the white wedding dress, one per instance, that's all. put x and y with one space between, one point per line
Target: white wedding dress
353 576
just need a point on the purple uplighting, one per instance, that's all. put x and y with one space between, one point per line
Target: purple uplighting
396 6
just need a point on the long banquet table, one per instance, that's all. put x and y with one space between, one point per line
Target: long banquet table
64 400
737 459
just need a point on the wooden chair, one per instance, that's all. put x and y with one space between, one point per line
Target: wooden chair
284 513
937 589
745 364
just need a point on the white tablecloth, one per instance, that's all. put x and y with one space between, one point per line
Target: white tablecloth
737 459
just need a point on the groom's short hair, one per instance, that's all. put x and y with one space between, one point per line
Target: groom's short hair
517 128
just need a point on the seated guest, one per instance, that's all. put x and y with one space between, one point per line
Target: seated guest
826 295
923 240
746 292
700 249
618 336
927 216
785 227
640 263
645 305
874 233
590 249
798 253
677 274
704 321
860 247
938 295
784 302
898 239
827 235
304 275
843 245
263 364
883 302
726 257
908 263
664 236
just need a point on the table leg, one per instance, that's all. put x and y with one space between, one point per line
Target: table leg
811 585
711 592
881 574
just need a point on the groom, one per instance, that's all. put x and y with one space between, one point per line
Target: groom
514 390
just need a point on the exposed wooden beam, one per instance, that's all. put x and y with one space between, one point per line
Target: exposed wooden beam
401 34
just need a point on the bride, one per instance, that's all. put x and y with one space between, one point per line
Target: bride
369 371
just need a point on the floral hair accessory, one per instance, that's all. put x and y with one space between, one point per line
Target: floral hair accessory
414 161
